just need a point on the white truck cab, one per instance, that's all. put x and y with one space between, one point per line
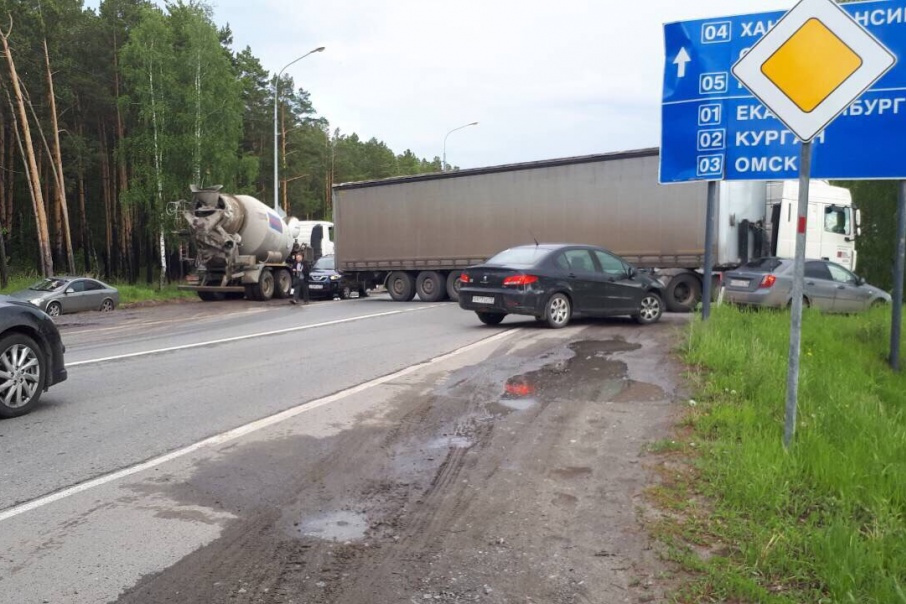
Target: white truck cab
305 228
833 223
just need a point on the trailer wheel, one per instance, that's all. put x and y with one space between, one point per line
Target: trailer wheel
264 289
401 286
683 292
453 285
211 296
283 283
430 286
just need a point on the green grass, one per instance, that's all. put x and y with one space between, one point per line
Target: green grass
824 521
129 294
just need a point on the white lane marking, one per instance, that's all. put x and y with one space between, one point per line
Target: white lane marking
235 433
261 334
141 325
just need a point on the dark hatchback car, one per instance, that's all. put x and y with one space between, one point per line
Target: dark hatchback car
553 282
31 356
326 282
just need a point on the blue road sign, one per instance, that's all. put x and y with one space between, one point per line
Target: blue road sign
712 128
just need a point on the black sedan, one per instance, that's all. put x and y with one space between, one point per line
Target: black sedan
31 356
326 282
553 282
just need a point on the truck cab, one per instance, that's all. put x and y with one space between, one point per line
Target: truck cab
833 224
305 230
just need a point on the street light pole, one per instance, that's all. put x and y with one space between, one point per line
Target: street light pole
276 96
443 167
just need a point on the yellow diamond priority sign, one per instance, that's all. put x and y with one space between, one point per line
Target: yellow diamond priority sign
812 65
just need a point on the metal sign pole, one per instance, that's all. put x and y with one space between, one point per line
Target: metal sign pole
709 250
792 380
898 267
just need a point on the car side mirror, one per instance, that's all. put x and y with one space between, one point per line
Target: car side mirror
69 290
860 280
631 272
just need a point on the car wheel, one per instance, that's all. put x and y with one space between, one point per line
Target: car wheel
345 292
558 312
491 318
21 374
107 305
54 309
650 309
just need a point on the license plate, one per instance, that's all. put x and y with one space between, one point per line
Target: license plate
739 283
315 286
483 299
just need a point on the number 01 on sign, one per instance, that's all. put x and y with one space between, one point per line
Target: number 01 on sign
807 69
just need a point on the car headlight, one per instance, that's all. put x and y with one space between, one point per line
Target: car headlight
36 301
334 277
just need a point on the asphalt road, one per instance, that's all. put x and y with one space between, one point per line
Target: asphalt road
154 380
191 438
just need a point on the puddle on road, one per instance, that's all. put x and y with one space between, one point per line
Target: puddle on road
590 374
334 526
450 442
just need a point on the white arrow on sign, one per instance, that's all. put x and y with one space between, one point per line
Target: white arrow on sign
682 58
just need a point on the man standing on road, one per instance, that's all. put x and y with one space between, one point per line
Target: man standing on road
301 271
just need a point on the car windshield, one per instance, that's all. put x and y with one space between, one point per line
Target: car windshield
48 285
324 263
762 265
519 256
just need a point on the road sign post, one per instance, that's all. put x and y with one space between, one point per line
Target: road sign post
709 250
899 265
792 378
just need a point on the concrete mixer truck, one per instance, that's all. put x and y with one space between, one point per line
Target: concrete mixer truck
241 247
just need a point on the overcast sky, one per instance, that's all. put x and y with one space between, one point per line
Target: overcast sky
543 78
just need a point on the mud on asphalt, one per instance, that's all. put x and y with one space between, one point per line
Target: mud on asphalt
516 479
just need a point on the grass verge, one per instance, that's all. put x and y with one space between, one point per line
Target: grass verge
129 294
824 521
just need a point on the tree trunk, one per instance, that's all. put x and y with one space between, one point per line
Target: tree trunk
158 171
31 164
108 196
197 158
125 232
9 183
57 162
5 191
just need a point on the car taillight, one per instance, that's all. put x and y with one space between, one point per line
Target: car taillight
464 278
767 281
520 280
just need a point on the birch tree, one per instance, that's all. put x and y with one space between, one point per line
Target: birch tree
148 67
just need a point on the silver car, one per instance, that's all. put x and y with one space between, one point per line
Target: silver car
828 286
58 295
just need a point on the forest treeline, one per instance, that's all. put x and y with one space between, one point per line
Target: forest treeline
108 116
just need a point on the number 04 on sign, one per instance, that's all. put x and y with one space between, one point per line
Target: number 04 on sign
812 65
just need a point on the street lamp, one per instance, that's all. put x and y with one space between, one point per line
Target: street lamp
443 166
276 95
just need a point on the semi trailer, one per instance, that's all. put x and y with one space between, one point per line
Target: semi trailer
415 234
